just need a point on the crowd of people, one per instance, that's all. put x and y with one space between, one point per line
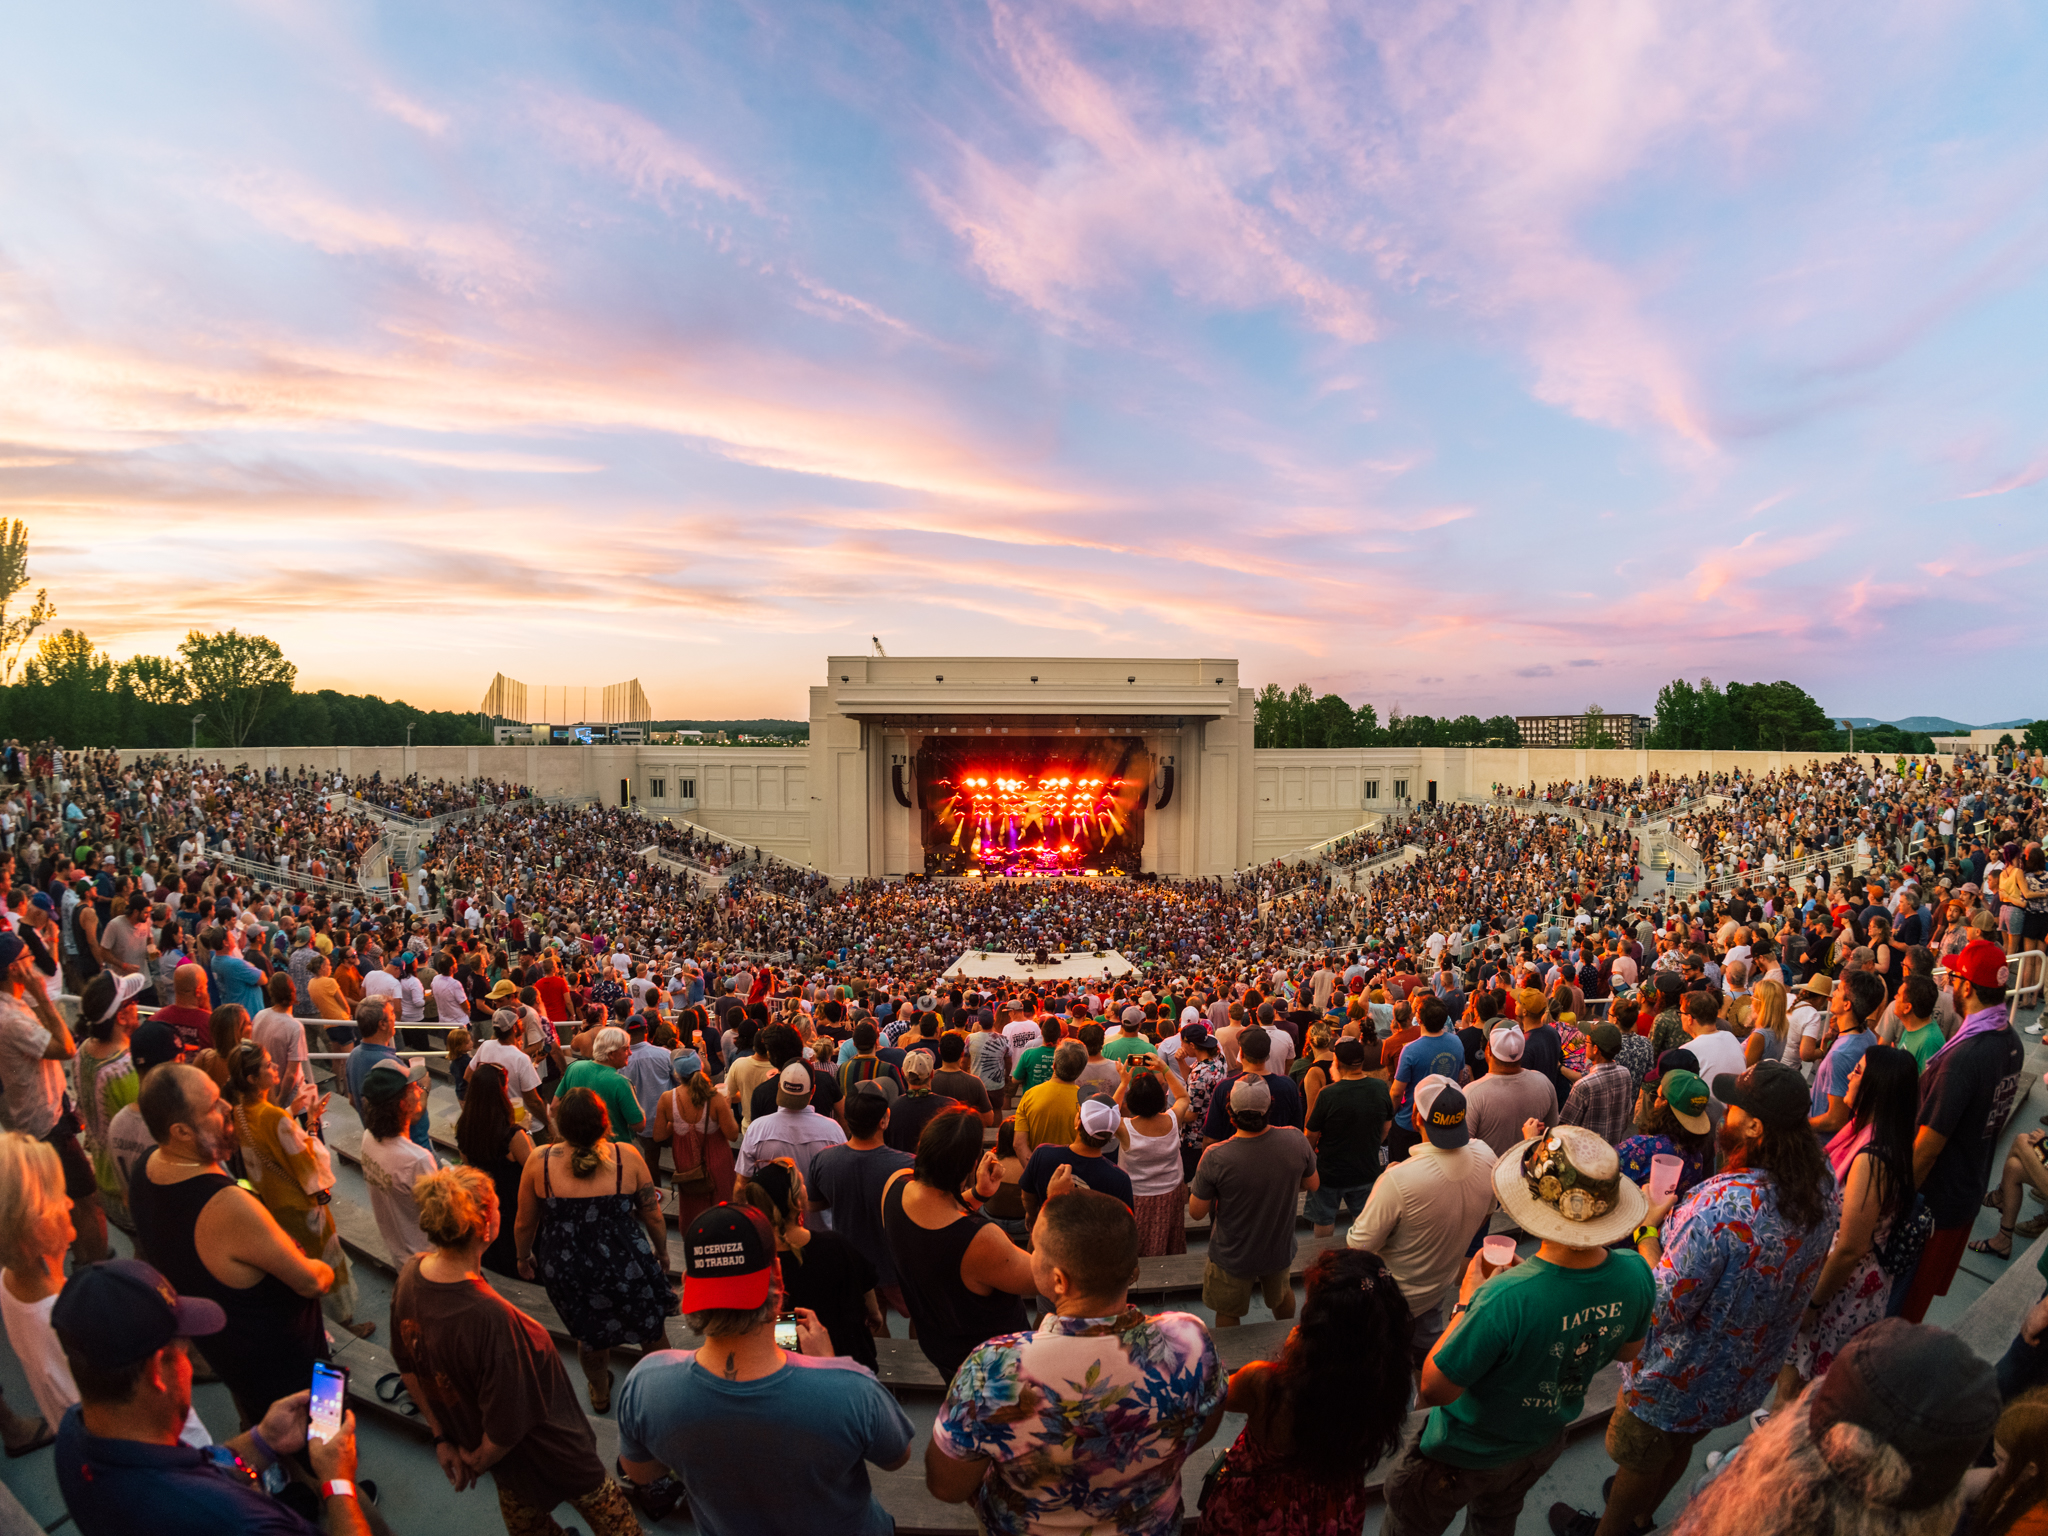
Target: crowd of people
1535 1124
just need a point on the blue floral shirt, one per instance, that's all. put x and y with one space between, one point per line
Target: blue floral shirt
1087 1422
1732 1285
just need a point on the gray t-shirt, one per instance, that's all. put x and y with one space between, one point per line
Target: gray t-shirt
1497 1104
1253 1181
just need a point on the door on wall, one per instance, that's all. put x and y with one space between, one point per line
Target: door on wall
1432 791
626 792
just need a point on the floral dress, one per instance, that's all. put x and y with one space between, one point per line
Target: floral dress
1254 1491
294 1178
1863 1299
593 1255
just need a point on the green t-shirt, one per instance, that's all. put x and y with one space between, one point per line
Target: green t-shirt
1923 1043
1129 1045
611 1086
1034 1066
1524 1352
1350 1115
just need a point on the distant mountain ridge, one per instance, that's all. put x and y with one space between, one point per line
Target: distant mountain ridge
1935 725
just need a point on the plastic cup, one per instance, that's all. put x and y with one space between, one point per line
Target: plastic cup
1664 1172
1499 1252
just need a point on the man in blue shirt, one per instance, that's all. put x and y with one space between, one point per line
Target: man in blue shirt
233 979
378 1022
707 1414
120 1463
1437 1053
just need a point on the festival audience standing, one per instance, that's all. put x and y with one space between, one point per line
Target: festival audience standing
962 1278
1672 1121
1347 1130
1436 1053
1317 1420
291 1172
34 1045
1425 1211
707 1414
590 1225
1881 1446
487 1379
601 1074
1250 1182
821 1271
1499 1104
1154 1112
392 1161
793 1129
119 1453
1510 1371
214 1240
1967 1091
1746 1249
495 1145
1120 1399
847 1181
1603 1100
695 1121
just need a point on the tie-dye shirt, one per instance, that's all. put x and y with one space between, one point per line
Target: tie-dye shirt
1087 1422
1732 1285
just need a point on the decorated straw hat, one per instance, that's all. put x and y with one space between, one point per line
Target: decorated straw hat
1567 1187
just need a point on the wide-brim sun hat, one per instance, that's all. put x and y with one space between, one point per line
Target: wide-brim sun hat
1569 1171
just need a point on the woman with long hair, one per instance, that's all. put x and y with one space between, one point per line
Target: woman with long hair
590 1226
1767 1016
697 1122
2018 1487
1872 1158
494 1144
1320 1417
820 1269
291 1171
1154 1110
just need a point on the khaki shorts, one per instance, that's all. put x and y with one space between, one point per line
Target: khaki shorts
1231 1295
1641 1447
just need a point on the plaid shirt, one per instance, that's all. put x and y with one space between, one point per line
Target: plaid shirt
1603 1101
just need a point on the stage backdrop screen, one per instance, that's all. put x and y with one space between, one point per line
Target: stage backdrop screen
1033 804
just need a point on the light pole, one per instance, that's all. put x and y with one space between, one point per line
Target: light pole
408 735
195 731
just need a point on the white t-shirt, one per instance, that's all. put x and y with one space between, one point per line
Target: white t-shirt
1716 1052
520 1074
391 1168
1804 1021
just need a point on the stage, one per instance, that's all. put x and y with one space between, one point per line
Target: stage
1058 965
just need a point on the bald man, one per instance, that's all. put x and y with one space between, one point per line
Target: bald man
191 1011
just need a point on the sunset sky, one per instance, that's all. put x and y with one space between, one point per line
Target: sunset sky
1493 357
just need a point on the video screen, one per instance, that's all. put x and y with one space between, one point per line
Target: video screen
1033 805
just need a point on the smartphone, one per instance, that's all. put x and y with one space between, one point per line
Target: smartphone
330 1400
785 1331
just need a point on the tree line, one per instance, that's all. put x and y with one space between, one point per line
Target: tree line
1301 719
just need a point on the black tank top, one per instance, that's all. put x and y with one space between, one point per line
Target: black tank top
951 1320
273 1334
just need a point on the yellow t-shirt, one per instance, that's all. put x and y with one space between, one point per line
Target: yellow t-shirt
328 998
1048 1114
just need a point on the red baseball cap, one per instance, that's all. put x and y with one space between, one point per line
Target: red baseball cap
728 1260
1982 964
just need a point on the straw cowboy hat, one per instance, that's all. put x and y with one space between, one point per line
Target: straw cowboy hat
1566 1187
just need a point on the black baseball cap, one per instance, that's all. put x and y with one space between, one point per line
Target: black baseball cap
120 1312
1770 1090
1349 1052
153 1045
1923 1392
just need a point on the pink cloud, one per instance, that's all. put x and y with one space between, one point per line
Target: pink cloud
640 153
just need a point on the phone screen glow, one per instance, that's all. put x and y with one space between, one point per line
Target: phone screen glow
330 1388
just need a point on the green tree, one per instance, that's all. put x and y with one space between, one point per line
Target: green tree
154 680
1365 726
2036 737
1593 732
17 624
1332 723
1267 709
234 676
67 660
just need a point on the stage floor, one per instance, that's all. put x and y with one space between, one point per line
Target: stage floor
1059 965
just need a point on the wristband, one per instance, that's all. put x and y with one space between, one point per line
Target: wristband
256 1439
338 1488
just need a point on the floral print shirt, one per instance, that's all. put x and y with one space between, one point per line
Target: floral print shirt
1732 1286
1087 1422
1204 1077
